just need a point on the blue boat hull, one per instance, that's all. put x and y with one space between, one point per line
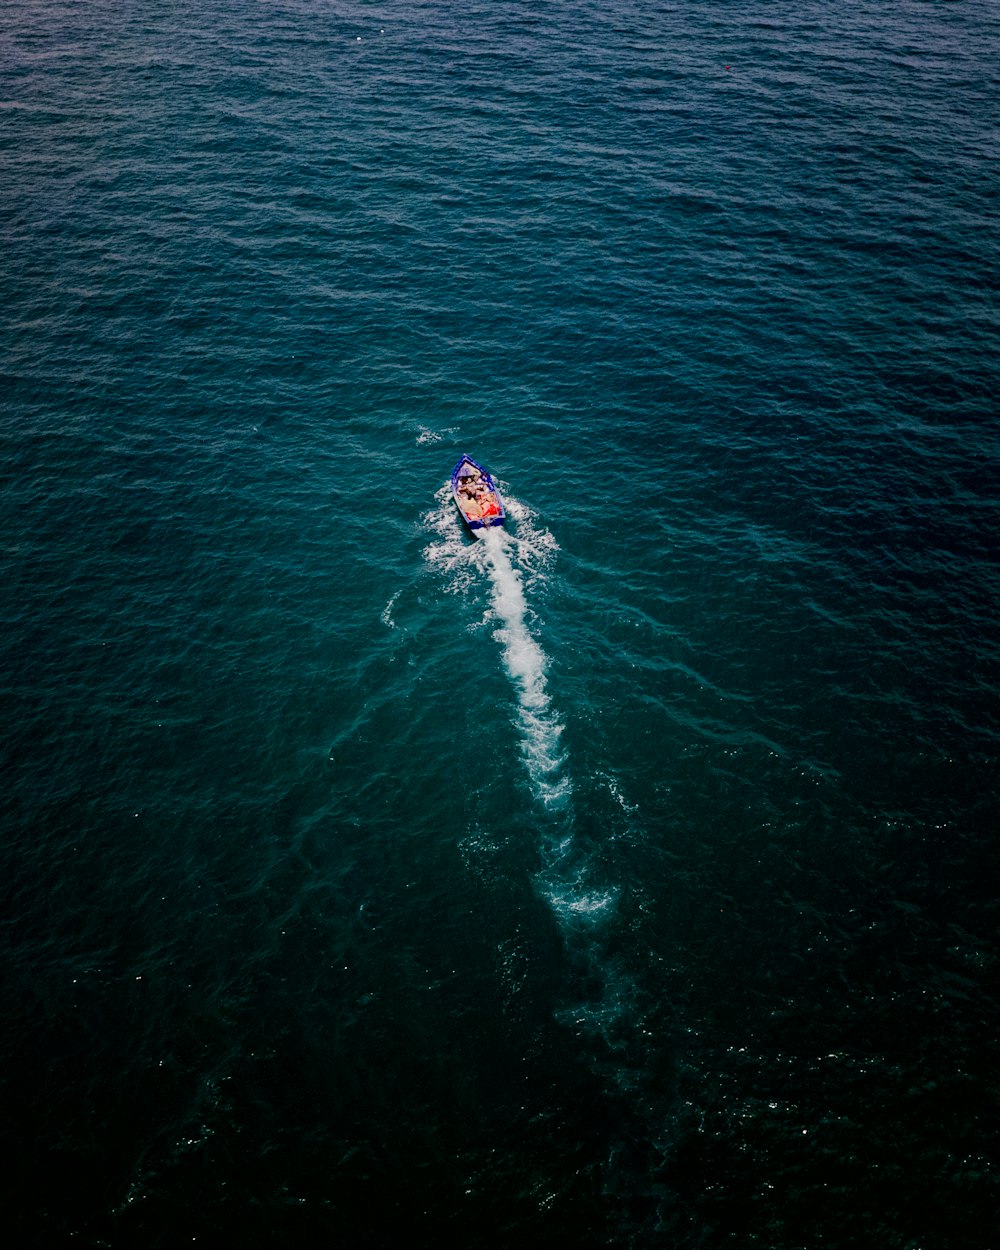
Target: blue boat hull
476 497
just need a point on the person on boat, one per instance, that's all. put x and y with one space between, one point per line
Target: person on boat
487 501
468 499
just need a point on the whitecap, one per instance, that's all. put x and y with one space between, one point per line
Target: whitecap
386 616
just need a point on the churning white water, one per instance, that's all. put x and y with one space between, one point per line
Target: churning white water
511 559
540 727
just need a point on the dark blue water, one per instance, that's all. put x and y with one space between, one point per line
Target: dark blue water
627 879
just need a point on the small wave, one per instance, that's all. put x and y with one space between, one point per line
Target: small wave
386 616
575 903
428 435
532 544
614 789
449 552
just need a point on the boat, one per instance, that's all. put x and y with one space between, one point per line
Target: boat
476 497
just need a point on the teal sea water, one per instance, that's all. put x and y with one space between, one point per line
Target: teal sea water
626 879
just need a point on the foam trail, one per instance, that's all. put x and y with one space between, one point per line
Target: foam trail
602 1004
541 730
387 620
510 559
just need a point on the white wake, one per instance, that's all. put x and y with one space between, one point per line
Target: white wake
540 728
601 1005
511 560
507 560
515 563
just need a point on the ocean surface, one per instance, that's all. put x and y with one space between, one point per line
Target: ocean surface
627 879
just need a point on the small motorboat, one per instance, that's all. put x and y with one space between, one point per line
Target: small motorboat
476 497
